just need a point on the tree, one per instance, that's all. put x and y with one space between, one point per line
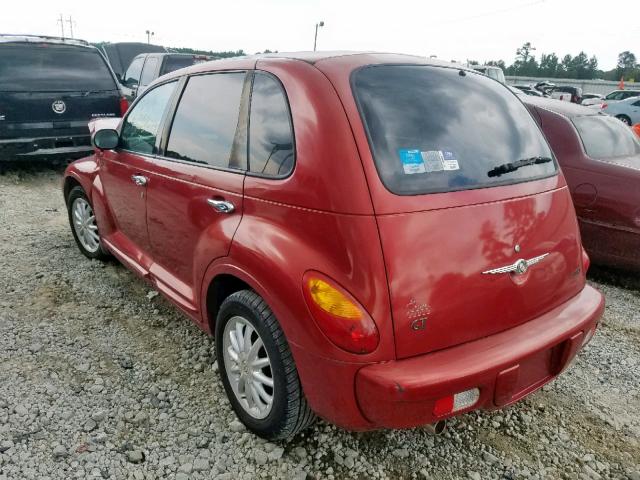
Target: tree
497 63
525 64
626 64
549 65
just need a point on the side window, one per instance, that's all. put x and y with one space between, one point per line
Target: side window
205 127
141 126
132 75
271 148
636 104
149 71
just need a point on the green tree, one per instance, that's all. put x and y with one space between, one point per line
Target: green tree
627 65
525 64
549 65
497 63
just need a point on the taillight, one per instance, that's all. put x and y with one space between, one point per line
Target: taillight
124 106
340 317
456 403
603 106
636 129
586 261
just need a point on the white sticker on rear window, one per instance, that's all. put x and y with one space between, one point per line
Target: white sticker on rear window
449 160
411 161
433 160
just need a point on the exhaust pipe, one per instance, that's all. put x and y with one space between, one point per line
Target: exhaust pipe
436 428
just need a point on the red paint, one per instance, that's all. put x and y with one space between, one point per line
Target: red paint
605 193
333 215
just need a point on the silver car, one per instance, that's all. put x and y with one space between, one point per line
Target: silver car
627 110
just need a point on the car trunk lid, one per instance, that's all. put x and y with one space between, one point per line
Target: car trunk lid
440 262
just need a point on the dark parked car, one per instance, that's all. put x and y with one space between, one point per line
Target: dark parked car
146 67
359 245
121 54
600 158
49 90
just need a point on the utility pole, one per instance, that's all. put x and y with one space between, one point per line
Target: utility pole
315 39
61 22
70 22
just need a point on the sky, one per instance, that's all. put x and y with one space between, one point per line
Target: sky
452 30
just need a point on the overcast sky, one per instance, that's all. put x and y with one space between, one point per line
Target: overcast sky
450 29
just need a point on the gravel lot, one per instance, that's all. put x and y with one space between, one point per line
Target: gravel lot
102 378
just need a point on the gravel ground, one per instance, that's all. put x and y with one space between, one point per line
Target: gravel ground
102 378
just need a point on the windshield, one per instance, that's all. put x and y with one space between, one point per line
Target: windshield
176 62
605 137
435 129
46 67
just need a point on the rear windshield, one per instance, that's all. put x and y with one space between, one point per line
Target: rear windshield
177 62
46 67
435 129
606 137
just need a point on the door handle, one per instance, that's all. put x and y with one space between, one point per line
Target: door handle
221 206
139 180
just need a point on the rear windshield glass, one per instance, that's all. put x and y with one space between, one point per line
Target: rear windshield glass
46 67
606 137
434 129
177 62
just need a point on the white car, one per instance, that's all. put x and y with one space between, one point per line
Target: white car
627 110
614 96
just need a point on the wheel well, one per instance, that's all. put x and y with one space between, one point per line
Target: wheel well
69 183
219 289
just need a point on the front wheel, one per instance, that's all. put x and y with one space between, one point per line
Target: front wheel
83 224
257 369
624 119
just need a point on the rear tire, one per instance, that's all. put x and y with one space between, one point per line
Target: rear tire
84 225
624 119
275 412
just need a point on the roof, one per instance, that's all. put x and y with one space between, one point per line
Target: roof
355 58
376 57
567 109
16 38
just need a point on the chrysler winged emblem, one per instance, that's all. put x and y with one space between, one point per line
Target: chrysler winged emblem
519 267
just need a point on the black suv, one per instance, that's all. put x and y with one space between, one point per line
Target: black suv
146 67
50 88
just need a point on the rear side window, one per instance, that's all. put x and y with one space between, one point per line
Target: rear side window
606 137
206 122
435 129
271 148
132 75
141 126
149 71
176 62
46 67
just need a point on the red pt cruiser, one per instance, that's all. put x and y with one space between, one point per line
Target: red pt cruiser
380 240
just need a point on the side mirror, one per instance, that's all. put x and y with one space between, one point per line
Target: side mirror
106 139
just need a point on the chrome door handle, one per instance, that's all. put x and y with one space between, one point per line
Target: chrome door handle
221 206
139 180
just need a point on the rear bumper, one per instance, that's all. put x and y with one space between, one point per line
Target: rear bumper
505 367
54 147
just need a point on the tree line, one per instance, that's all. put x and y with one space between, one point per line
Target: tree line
580 67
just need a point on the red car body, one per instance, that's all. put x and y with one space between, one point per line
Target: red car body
414 263
605 190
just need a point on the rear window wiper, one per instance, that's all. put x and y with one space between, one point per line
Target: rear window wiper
513 166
